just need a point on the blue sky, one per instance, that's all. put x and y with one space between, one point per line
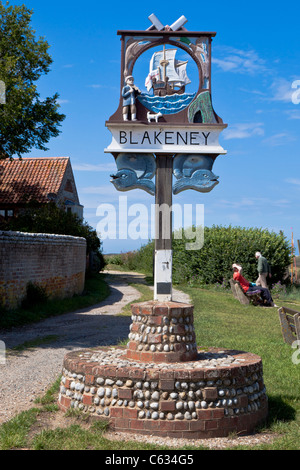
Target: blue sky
256 59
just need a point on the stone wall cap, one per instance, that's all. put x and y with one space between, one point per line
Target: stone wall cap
10 236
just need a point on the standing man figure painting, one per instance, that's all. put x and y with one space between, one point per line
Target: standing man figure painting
129 94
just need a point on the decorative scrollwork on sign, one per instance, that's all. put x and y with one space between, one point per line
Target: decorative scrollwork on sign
134 48
201 110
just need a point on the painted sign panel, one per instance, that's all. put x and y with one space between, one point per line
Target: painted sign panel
165 139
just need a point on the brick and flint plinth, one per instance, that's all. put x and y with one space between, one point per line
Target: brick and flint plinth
161 384
220 393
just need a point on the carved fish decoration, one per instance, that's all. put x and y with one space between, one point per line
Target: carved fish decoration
201 180
194 172
135 171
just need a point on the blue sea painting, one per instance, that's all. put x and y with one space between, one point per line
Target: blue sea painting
170 104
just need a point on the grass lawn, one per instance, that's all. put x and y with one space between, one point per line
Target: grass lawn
220 321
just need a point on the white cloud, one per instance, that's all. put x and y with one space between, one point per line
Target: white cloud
100 190
243 130
279 139
295 181
253 92
97 86
90 206
239 61
244 202
225 65
255 203
281 89
293 113
277 90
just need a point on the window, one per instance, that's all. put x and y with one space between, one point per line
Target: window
6 213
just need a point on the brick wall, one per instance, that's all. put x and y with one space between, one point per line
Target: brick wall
55 262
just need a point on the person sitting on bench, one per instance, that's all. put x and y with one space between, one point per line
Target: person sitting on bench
249 287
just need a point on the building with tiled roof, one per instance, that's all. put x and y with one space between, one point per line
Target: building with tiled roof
37 180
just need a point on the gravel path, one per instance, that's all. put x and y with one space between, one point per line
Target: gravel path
28 374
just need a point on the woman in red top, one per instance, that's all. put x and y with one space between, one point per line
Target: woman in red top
248 287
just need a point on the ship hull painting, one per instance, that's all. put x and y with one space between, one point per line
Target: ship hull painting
163 88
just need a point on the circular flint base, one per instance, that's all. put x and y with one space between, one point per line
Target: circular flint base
220 392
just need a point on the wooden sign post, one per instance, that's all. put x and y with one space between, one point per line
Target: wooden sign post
163 225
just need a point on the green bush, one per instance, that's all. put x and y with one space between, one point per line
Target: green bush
222 247
114 259
130 260
142 260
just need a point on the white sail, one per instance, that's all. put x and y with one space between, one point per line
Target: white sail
181 71
163 64
169 56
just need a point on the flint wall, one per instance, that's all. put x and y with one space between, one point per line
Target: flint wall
55 262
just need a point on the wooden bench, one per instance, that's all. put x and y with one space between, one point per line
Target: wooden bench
290 324
244 298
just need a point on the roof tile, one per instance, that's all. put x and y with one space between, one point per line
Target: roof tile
30 179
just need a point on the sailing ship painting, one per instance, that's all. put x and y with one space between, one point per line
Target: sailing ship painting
167 79
167 75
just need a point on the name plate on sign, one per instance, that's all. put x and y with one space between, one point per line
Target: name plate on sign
158 138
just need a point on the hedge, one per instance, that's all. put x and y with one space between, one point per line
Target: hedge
222 247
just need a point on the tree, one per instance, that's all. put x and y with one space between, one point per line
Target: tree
26 121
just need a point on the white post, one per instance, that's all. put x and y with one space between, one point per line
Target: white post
163 229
